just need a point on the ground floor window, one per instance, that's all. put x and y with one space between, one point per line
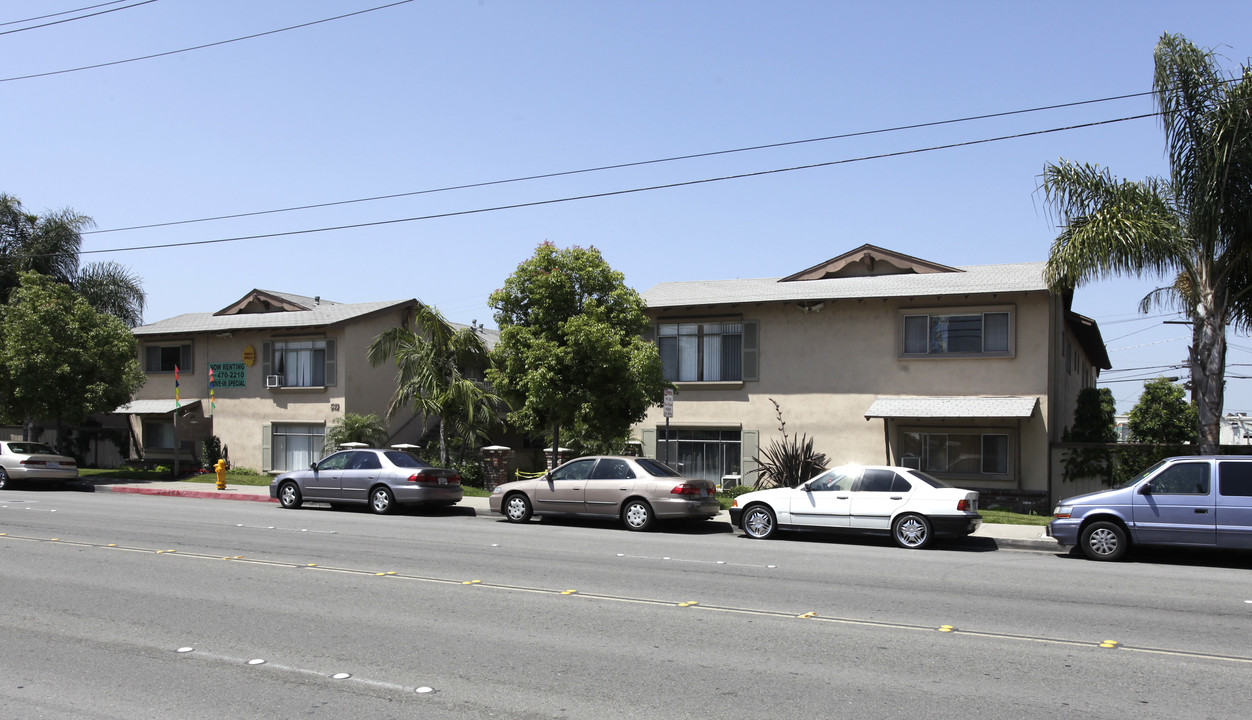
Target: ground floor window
704 454
296 445
956 452
158 435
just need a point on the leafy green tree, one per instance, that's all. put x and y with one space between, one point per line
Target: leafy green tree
571 352
46 371
1195 226
353 427
436 364
1163 420
50 245
1094 422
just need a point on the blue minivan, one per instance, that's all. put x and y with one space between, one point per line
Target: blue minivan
1203 501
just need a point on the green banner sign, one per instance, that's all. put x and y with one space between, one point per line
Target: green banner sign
229 375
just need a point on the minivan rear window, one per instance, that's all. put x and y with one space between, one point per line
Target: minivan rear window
1234 479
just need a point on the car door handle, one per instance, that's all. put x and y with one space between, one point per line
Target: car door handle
1201 511
841 497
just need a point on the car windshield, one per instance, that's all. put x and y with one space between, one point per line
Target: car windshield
930 480
1141 475
656 468
30 448
405 460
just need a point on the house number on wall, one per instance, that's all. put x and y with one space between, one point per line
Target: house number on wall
334 407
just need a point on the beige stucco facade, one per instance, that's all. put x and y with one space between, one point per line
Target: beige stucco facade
247 412
827 347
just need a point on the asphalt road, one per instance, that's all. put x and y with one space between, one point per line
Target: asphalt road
452 615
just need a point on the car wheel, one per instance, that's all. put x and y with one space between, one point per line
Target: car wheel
517 508
911 531
289 496
1104 541
637 515
4 480
759 522
382 502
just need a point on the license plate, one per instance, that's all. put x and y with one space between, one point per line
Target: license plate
443 481
704 493
53 464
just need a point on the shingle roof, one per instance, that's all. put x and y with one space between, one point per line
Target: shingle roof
924 406
326 313
1016 277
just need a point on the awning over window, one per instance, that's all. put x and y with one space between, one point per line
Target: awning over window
914 406
153 407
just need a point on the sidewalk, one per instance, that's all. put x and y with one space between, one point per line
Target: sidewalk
1005 537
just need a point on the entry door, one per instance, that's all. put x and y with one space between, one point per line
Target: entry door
1179 507
562 490
362 470
877 497
826 500
324 483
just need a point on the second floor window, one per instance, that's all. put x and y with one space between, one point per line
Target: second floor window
164 358
701 351
302 363
984 333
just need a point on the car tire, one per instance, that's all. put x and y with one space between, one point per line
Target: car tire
911 531
289 495
5 482
637 515
1104 540
382 501
516 508
759 522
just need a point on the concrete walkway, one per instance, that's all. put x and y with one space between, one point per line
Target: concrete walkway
1015 537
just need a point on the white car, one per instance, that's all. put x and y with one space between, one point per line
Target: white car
909 504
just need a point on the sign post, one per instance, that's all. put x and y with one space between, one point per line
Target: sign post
669 413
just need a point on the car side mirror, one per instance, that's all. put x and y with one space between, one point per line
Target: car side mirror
1145 489
312 466
808 487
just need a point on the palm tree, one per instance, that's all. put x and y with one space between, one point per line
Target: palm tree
352 427
50 245
434 361
1194 226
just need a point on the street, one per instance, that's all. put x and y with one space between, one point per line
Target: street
132 606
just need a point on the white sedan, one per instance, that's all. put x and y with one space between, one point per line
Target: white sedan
909 504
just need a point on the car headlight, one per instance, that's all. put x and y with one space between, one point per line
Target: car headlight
1062 511
497 490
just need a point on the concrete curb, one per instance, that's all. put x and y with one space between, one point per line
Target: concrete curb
172 492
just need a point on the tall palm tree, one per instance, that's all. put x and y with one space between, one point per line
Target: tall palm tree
1194 226
353 427
435 363
49 244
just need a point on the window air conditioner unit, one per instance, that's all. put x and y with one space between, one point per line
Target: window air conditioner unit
273 381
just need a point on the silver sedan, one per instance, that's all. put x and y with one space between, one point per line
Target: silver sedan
22 461
638 491
383 479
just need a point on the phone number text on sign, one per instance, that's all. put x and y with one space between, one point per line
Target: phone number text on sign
229 375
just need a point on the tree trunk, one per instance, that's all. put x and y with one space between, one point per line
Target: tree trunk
443 444
556 445
1208 372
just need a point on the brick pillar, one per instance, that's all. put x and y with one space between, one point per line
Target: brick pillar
562 455
496 465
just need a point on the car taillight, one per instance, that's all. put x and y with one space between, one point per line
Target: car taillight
34 462
962 505
685 489
455 480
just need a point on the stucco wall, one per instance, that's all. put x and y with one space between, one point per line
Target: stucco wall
825 369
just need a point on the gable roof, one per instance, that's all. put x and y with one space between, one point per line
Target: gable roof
868 260
266 309
968 280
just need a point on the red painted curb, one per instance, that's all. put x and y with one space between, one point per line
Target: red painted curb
204 494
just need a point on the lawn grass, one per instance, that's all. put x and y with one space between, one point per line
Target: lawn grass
122 475
1004 517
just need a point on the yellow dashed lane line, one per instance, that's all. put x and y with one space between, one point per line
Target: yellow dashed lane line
692 604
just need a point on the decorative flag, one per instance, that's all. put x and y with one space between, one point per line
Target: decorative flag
212 401
177 404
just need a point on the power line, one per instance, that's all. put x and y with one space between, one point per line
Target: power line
666 186
618 166
63 12
207 45
80 17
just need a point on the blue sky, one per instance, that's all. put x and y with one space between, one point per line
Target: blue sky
433 94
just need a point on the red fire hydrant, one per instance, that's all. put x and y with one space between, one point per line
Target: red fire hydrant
220 468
